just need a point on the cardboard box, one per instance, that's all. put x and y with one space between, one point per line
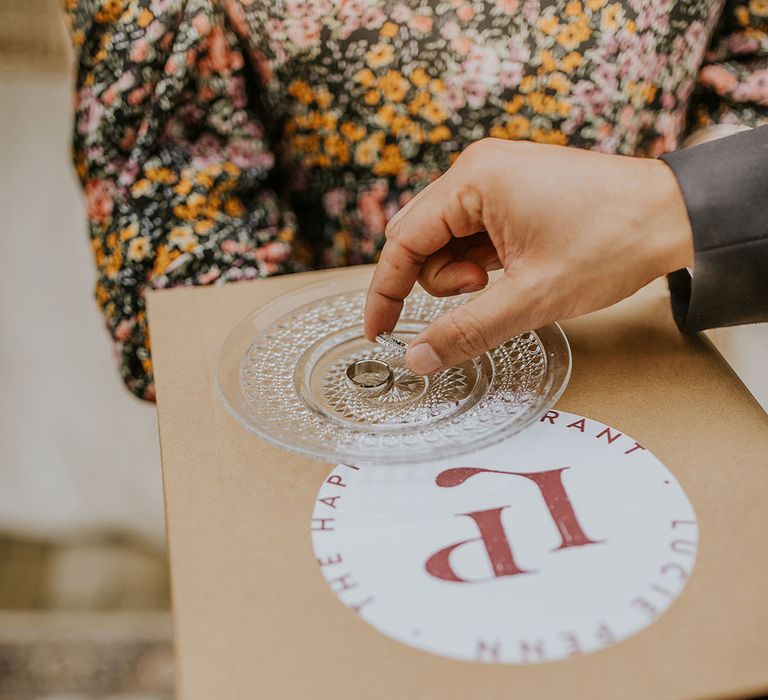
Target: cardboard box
255 618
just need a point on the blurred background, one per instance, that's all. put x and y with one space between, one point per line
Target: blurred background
84 603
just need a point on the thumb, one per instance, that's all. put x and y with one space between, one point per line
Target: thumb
488 320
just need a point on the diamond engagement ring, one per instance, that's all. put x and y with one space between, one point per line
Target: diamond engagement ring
392 343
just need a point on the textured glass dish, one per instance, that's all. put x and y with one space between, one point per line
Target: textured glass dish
281 373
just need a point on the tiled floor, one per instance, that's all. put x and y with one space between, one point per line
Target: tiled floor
86 656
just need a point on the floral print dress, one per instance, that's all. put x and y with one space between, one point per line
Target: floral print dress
221 140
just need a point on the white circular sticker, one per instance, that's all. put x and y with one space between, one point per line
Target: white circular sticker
562 540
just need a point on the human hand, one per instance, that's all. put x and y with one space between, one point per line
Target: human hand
573 230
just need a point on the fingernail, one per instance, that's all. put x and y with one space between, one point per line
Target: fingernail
422 359
471 288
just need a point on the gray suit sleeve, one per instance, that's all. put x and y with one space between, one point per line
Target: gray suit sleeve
725 188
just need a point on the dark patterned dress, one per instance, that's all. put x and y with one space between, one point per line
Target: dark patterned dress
225 140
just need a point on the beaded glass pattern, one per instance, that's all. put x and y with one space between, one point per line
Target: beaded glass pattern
287 383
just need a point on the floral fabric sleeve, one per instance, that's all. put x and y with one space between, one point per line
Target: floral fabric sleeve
173 158
733 82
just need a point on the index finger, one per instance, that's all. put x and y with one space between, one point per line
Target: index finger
445 209
401 259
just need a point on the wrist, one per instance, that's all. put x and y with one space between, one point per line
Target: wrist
668 222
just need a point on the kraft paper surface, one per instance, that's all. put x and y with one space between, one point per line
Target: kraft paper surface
254 617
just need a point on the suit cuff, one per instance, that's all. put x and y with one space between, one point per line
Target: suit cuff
725 187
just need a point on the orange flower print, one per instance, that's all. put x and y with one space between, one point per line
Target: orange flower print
110 11
553 136
439 134
385 115
437 85
181 237
741 14
164 175
528 83
421 99
391 161
573 8
323 98
389 30
571 61
144 18
401 124
138 249
559 83
518 127
233 207
301 91
570 36
129 231
611 17
140 188
365 77
380 55
433 113
112 265
366 151
393 86
102 295
203 178
548 61
541 103
420 77
336 148
352 131
163 258
549 24
203 226
513 106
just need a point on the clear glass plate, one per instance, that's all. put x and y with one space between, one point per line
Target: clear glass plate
281 373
